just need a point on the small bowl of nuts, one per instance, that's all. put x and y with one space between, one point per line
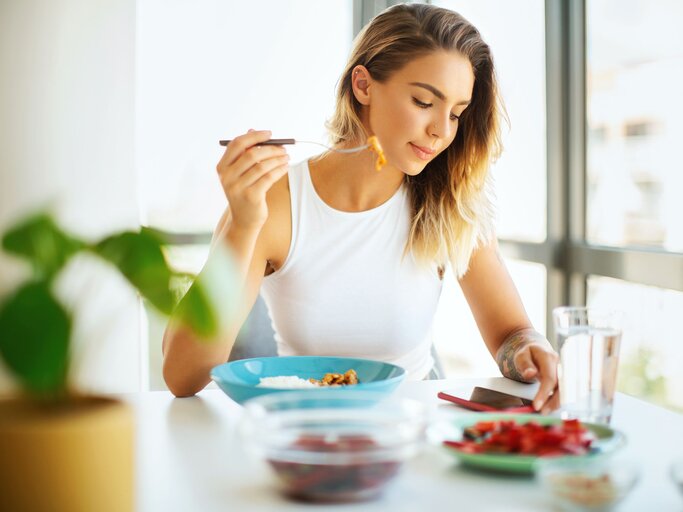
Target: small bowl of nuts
587 484
335 447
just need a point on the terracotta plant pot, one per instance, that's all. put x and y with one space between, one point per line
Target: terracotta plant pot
73 456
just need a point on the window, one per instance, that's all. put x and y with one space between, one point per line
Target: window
457 339
633 89
519 56
633 186
652 342
613 208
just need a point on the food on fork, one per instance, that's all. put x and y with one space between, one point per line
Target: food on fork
375 147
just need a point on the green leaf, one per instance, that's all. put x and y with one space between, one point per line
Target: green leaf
210 305
34 338
196 312
139 257
194 307
42 243
181 283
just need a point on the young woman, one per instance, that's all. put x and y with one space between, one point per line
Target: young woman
349 259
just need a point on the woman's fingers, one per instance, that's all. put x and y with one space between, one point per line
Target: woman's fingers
265 182
552 404
525 364
249 159
246 171
546 363
536 362
241 143
256 172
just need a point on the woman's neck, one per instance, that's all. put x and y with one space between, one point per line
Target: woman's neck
349 182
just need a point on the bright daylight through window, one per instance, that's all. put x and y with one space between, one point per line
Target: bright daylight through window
634 177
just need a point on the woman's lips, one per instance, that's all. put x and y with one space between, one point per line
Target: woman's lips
422 153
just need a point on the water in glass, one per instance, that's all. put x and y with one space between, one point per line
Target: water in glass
587 371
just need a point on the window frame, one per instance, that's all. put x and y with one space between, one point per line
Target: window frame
568 257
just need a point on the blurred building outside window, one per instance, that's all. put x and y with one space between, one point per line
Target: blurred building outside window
634 111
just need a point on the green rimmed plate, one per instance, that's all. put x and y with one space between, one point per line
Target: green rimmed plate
607 441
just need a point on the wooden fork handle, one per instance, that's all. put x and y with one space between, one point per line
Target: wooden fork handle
271 142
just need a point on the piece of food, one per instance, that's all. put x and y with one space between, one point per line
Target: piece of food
510 437
284 381
292 381
337 379
377 149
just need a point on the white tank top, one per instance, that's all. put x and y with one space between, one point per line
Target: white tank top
345 288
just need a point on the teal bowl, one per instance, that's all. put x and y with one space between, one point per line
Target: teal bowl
239 379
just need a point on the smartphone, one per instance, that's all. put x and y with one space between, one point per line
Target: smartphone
489 400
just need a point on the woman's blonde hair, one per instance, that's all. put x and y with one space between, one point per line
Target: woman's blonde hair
452 210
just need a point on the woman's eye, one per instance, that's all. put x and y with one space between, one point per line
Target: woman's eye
421 104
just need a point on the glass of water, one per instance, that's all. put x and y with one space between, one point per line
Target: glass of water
588 341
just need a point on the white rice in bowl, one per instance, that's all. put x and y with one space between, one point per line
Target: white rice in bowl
285 381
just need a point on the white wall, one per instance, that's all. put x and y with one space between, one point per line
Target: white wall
67 82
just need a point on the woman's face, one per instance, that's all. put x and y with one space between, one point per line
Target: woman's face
415 113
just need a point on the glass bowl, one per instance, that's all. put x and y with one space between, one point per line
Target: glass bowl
333 448
593 484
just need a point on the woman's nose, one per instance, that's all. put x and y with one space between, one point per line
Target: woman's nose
441 128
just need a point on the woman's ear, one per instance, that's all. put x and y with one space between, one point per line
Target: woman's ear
360 83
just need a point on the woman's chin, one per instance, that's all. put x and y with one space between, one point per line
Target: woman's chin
413 168
408 166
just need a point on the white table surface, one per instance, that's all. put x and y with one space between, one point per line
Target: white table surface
189 459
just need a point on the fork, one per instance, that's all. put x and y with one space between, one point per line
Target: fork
282 142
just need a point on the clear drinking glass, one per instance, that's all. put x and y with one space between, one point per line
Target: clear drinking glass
588 341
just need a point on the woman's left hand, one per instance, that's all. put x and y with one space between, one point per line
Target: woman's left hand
538 362
527 356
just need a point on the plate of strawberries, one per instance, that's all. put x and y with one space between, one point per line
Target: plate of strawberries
512 443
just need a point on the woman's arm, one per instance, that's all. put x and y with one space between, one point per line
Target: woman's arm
188 359
249 229
522 353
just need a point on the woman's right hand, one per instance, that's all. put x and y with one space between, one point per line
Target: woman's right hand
247 172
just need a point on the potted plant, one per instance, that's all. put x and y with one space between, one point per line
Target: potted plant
61 449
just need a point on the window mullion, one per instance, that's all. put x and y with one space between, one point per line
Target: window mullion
557 223
576 144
